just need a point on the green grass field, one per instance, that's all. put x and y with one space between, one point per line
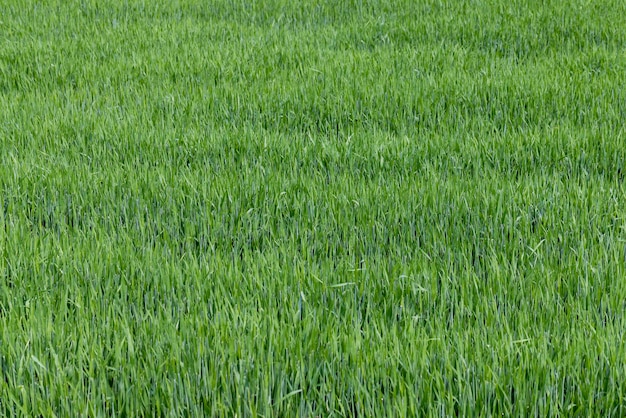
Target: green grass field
316 208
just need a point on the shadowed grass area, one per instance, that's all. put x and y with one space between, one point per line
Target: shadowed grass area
276 208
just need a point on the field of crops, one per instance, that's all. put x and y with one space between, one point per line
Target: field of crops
312 208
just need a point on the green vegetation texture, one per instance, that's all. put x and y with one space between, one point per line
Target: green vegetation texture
314 208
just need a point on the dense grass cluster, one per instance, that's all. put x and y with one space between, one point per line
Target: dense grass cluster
317 208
